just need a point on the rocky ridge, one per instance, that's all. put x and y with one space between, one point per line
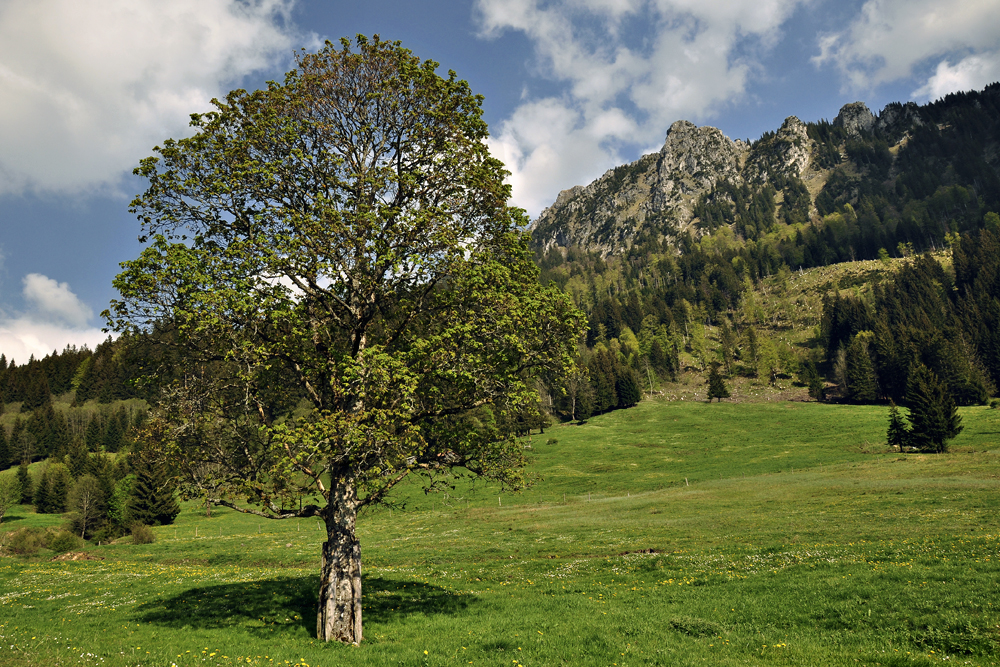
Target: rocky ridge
656 195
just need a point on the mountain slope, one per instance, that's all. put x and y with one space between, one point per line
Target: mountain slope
891 166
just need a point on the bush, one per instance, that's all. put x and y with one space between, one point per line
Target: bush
551 441
109 532
64 541
142 534
24 542
994 404
29 541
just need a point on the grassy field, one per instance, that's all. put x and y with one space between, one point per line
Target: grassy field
673 533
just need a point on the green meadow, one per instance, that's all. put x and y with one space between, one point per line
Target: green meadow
672 533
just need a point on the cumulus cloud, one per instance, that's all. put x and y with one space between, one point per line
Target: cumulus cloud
88 88
627 69
890 39
23 337
971 73
55 318
54 300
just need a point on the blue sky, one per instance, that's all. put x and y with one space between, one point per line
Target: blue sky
572 88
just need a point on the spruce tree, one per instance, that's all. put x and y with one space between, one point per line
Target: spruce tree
40 497
628 388
60 481
862 384
24 478
152 499
716 385
933 416
5 454
898 434
95 433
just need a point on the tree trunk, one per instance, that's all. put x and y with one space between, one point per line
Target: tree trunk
339 614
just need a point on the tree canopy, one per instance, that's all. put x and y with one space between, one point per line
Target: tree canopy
351 298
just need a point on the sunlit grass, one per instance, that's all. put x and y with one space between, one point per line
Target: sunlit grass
671 534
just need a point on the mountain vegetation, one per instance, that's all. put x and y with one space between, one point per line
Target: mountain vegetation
697 237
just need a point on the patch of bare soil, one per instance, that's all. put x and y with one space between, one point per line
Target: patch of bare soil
77 555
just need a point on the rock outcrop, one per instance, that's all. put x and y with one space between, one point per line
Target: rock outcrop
657 193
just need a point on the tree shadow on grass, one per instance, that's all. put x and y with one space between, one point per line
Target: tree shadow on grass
285 604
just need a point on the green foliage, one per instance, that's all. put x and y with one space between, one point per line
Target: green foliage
10 493
809 507
142 534
916 318
87 505
25 483
862 382
359 303
897 436
63 541
151 499
716 385
933 416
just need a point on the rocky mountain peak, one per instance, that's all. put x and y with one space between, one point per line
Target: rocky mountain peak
855 118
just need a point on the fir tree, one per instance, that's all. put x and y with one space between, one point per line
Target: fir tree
78 459
933 416
60 481
24 478
898 434
95 433
152 499
5 454
40 498
716 385
628 388
862 384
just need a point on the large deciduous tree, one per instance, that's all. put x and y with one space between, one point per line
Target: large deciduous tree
350 295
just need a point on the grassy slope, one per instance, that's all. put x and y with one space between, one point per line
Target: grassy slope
795 539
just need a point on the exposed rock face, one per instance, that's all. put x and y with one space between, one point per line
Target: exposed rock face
656 196
855 118
657 193
786 154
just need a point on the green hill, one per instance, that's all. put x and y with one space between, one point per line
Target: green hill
671 533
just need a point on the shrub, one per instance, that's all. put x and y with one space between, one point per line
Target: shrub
64 541
142 534
23 542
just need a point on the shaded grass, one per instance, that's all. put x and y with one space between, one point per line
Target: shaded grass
797 538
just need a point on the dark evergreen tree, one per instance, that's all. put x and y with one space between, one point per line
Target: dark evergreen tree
602 378
933 416
628 388
6 458
40 497
151 501
95 433
60 480
78 460
24 478
114 434
897 435
862 384
716 385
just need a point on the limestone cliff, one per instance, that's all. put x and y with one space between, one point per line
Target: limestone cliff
655 196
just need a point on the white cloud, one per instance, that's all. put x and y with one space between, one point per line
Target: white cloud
629 68
54 300
88 88
889 39
54 319
972 73
23 337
